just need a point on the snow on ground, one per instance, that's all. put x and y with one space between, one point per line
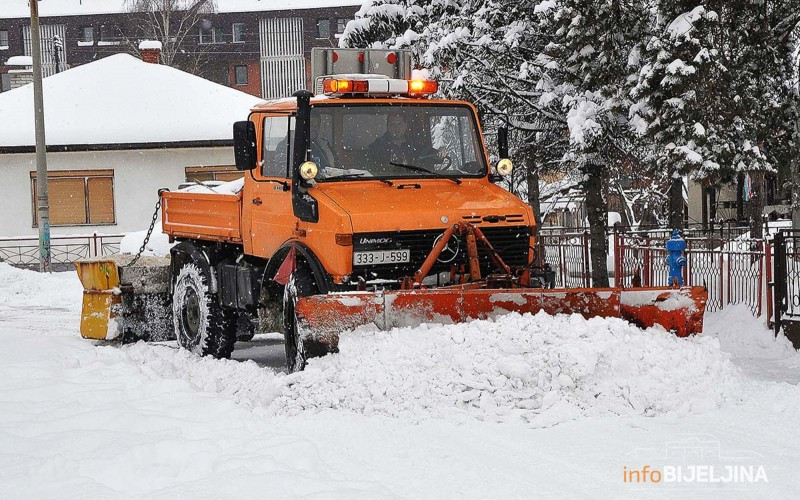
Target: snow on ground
527 406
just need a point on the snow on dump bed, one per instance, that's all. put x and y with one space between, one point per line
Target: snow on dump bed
540 369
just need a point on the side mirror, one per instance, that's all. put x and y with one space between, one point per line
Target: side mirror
244 145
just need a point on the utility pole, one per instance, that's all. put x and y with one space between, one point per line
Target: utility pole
42 204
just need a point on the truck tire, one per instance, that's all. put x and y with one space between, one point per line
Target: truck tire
301 284
202 326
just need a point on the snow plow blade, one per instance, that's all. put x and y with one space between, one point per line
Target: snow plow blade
126 303
323 317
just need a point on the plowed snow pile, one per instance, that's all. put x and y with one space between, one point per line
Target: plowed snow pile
540 369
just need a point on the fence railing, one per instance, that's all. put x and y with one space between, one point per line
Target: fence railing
734 269
24 251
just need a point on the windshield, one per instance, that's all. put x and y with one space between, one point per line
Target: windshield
395 141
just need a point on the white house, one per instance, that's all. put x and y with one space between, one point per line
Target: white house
117 130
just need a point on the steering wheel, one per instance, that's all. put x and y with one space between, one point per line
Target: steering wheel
437 162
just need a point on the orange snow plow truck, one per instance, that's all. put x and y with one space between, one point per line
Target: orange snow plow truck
367 202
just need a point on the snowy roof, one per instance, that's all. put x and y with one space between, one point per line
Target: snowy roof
19 8
120 99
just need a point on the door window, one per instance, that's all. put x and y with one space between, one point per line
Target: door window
277 146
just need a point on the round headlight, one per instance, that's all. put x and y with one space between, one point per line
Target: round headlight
308 170
504 167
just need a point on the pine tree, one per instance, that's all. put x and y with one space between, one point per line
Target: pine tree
711 90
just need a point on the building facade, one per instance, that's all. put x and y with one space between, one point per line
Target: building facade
263 52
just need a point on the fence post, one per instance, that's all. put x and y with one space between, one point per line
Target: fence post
730 255
646 263
617 260
561 263
721 278
780 278
768 271
760 277
687 270
586 268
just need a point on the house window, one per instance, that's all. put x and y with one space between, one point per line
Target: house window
222 173
238 32
240 74
211 35
341 24
217 36
323 28
3 39
78 197
110 35
87 35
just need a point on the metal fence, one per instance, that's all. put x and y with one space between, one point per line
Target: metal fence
24 251
734 268
568 255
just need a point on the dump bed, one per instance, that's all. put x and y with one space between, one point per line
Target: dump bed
202 216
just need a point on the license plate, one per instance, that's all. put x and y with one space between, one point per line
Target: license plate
381 257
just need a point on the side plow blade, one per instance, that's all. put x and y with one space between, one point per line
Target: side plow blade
323 317
126 303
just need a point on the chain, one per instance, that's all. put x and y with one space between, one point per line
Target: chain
150 229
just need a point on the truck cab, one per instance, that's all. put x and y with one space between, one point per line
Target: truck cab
390 175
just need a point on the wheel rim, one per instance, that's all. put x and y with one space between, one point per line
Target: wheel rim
191 316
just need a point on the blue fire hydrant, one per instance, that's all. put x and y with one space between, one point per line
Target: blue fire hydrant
675 260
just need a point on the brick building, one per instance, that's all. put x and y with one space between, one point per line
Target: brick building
261 47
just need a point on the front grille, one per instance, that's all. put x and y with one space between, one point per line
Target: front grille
510 242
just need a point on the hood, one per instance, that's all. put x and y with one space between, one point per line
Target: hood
434 204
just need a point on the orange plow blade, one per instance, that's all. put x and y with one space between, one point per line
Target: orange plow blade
323 317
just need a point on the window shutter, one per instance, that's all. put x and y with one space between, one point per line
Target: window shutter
67 201
101 200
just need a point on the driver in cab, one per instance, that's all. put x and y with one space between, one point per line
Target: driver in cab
394 146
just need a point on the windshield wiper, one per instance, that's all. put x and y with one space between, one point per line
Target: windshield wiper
425 170
360 174
346 176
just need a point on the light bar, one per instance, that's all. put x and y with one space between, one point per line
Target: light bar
333 86
422 87
379 86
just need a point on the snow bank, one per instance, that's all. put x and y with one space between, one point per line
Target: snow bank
22 288
158 245
749 338
539 369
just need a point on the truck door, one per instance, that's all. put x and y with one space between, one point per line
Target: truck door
271 221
